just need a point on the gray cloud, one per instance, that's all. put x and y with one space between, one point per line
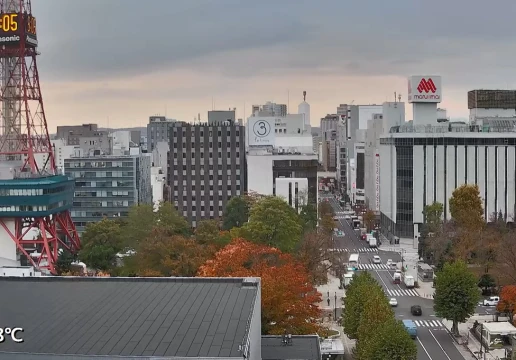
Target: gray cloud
467 41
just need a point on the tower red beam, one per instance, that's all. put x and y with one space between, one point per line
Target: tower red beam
26 153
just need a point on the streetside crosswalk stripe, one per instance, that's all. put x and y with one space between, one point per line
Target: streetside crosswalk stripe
428 323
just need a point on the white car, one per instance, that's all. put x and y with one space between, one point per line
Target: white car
377 259
389 262
492 301
393 302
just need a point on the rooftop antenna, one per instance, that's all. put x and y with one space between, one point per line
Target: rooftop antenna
288 101
165 110
304 96
399 97
395 97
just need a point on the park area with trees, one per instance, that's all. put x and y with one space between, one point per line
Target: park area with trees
258 236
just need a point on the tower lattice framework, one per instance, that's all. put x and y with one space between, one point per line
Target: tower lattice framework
25 147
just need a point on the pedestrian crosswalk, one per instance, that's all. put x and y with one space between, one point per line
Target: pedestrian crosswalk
360 250
432 324
340 217
402 292
373 267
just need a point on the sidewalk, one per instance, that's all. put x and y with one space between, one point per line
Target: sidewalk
469 344
331 289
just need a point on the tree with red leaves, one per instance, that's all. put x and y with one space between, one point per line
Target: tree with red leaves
289 300
507 302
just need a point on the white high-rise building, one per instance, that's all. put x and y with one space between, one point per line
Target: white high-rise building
424 162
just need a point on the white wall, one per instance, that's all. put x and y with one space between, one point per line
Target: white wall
480 113
259 174
366 112
259 170
158 180
282 190
7 245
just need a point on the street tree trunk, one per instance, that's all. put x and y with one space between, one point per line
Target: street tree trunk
455 328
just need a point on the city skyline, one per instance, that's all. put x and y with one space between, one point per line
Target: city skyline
119 74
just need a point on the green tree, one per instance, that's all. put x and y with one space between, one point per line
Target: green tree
64 262
486 283
369 220
456 293
325 208
466 207
207 232
142 220
376 312
308 217
391 342
236 213
273 222
433 217
359 289
168 219
327 224
101 241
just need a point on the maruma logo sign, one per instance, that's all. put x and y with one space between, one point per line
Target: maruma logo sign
426 86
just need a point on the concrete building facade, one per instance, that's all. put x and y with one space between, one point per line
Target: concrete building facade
158 130
107 186
206 168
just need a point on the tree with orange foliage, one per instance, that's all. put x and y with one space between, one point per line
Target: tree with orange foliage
507 302
289 300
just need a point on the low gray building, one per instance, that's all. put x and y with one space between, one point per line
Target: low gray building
87 136
132 318
107 186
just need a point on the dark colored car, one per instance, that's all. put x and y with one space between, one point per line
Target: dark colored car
416 310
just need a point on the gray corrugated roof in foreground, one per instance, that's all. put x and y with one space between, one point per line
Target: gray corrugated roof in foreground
171 317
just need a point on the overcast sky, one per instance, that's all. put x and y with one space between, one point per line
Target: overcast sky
120 61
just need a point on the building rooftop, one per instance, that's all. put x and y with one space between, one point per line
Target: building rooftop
302 347
36 181
138 317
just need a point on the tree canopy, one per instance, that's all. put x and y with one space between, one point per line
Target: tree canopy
308 217
391 342
101 241
507 303
289 301
167 255
369 220
466 207
315 252
433 216
273 222
369 319
358 290
208 233
456 293
236 213
142 220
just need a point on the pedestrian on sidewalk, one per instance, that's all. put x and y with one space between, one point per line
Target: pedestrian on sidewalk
328 301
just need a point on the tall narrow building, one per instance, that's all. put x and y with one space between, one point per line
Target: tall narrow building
206 168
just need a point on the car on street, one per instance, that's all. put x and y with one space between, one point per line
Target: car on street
393 302
492 301
377 259
416 310
389 262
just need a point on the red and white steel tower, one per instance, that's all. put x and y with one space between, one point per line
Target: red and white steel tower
34 199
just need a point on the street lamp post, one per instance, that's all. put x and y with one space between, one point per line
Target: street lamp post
335 305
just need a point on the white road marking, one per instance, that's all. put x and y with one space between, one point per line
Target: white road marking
431 333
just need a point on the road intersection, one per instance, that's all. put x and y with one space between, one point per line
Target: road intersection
434 341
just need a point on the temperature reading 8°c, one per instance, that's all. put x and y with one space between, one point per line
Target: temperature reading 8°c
13 334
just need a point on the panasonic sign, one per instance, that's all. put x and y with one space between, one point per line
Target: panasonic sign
9 39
